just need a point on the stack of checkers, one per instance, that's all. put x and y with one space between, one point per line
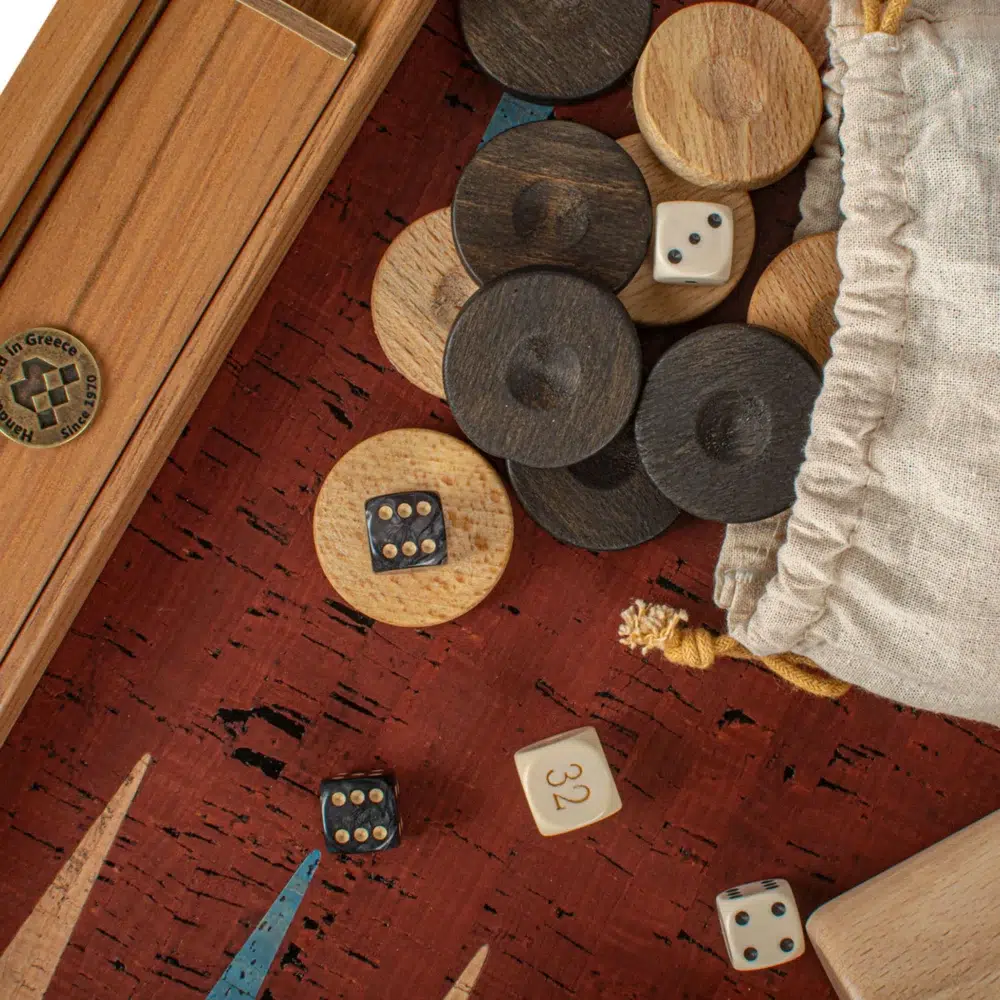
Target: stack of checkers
521 304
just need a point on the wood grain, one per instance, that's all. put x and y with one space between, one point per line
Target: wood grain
553 194
176 208
652 304
556 53
389 30
542 367
77 130
419 289
723 422
48 86
797 294
727 97
604 504
307 27
213 636
927 929
478 516
809 19
32 957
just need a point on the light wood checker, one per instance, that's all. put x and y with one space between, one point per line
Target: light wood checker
727 97
652 304
466 982
928 929
796 295
478 517
420 287
32 957
809 19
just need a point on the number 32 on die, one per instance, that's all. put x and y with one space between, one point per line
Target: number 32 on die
562 800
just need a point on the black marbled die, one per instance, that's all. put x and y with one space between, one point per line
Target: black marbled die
367 815
397 531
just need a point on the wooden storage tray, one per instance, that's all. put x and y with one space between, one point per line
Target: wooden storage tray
158 158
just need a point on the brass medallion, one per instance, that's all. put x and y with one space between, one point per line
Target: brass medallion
50 388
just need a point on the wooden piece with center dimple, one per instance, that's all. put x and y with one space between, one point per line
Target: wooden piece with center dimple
605 503
727 97
797 294
543 367
553 194
724 419
480 527
420 287
556 51
652 304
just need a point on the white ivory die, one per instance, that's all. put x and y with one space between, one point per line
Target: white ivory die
567 781
761 925
694 243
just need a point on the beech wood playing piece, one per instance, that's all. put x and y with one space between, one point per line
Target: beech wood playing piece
556 52
724 419
797 294
543 367
928 929
553 194
809 19
652 304
420 287
604 503
478 515
727 97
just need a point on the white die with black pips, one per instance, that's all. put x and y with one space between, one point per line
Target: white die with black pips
761 924
694 243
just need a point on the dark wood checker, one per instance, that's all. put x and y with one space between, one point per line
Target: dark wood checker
213 641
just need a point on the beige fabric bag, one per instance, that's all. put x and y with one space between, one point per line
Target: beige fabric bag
885 572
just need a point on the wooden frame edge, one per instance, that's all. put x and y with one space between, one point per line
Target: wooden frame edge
305 26
48 86
388 38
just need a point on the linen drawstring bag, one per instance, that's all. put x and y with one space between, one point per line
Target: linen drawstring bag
883 574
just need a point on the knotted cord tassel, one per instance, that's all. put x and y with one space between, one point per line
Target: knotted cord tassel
655 626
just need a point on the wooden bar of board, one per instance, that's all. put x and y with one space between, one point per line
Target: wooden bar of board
48 86
139 425
47 180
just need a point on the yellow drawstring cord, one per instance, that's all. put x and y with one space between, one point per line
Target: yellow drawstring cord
655 626
884 15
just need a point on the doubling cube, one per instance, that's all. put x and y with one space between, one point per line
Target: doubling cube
406 531
761 925
567 781
694 243
361 813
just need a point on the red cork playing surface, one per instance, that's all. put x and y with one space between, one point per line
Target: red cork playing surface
213 641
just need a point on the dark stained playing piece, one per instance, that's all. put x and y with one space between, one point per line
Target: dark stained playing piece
542 367
724 419
604 503
553 194
556 51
